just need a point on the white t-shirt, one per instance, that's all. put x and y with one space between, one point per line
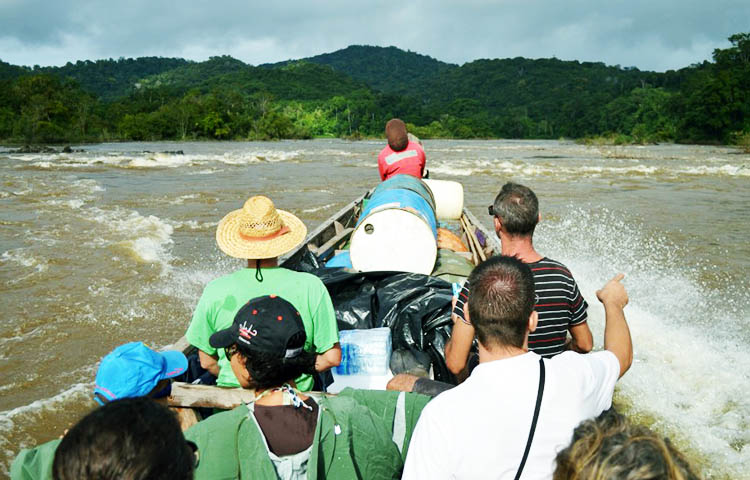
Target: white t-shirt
479 429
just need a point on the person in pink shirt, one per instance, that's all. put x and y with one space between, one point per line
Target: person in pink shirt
401 155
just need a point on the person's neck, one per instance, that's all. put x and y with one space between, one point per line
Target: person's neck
500 352
276 397
520 247
264 263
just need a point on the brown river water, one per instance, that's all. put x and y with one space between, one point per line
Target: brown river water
115 244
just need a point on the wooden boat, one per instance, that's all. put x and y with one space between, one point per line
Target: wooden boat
320 245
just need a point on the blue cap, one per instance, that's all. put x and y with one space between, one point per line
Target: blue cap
133 370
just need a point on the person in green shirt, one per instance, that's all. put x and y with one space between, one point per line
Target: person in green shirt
282 432
260 233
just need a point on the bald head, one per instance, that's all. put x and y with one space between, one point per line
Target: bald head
395 132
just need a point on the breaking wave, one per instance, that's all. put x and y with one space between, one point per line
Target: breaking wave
565 168
149 160
146 237
679 378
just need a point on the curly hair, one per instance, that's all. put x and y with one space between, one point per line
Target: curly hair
268 370
610 447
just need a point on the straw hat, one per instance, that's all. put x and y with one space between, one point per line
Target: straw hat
258 230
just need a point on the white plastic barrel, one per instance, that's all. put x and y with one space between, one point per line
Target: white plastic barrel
397 229
449 198
393 239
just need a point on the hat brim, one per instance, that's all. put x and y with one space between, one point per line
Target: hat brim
224 338
231 242
175 363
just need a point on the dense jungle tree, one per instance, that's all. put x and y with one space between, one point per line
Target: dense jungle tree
353 92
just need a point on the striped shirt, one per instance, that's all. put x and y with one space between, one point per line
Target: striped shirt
560 306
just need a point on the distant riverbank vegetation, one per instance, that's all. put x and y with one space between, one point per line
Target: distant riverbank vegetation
351 93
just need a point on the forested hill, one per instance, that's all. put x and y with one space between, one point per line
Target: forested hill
537 98
107 79
387 69
354 91
293 81
11 72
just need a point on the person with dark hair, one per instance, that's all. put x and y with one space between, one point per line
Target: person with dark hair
283 432
127 439
401 155
516 409
129 371
260 233
561 308
612 447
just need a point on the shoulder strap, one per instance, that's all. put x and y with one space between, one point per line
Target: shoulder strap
539 395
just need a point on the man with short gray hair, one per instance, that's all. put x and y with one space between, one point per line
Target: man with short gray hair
560 305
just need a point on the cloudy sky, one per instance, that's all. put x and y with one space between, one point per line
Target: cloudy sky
649 34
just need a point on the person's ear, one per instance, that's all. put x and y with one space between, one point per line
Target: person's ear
498 224
538 218
238 362
533 321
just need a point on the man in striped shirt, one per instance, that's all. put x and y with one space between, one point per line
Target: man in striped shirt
560 306
561 309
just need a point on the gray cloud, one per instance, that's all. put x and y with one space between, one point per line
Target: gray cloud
653 35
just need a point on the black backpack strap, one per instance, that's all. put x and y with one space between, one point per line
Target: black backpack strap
539 395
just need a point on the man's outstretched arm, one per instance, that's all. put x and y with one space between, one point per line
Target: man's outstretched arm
616 332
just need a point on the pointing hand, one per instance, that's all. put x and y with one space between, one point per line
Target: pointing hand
613 293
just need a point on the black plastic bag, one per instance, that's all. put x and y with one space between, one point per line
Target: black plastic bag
415 307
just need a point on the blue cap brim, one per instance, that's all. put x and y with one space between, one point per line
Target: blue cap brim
175 363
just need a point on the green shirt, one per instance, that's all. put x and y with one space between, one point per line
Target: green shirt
35 463
398 411
224 296
349 442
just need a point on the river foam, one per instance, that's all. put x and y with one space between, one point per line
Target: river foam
152 160
688 378
147 238
27 264
574 168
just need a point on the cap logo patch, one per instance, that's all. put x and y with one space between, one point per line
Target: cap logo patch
247 332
